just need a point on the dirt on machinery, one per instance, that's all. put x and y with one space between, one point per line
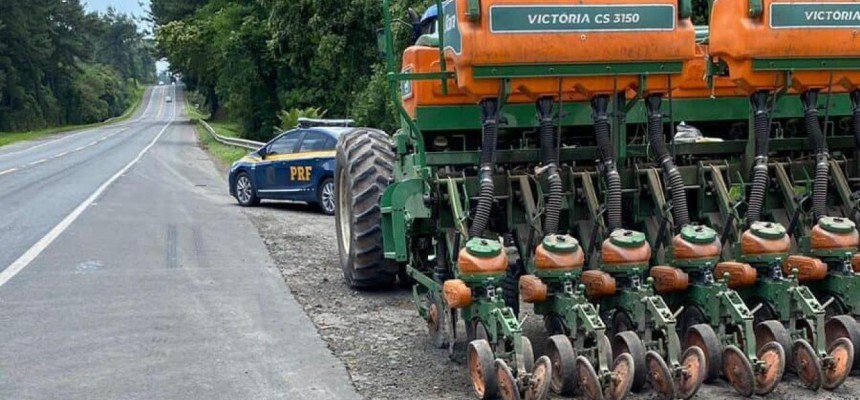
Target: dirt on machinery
379 336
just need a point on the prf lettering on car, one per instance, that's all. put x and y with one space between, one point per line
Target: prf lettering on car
300 173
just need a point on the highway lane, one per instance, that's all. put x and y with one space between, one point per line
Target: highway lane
43 181
14 155
157 288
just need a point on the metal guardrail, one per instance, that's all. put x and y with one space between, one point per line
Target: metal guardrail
231 141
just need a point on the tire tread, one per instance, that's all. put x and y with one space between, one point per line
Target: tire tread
367 158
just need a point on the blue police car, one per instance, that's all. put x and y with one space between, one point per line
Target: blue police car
297 165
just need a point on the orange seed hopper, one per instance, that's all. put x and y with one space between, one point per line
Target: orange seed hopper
811 38
536 44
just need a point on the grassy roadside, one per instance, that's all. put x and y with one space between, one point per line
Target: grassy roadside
12 137
224 155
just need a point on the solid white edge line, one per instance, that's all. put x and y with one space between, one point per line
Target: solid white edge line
60 139
43 243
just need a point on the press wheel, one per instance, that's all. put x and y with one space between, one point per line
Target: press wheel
773 331
479 331
690 379
807 364
481 370
604 351
836 306
621 322
587 378
842 352
629 342
692 315
564 377
507 384
660 376
539 383
528 355
738 371
622 378
773 355
703 336
844 326
554 325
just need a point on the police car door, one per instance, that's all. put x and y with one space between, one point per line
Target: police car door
273 172
305 173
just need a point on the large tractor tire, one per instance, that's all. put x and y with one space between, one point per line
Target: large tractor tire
365 165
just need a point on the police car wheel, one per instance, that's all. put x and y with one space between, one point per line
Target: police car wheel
325 197
365 165
245 192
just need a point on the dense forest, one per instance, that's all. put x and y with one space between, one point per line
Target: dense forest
60 65
251 59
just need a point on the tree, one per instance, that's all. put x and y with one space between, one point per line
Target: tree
52 49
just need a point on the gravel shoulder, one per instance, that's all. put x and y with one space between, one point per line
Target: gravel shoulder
379 335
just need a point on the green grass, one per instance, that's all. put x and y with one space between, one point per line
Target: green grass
193 112
12 137
224 153
225 128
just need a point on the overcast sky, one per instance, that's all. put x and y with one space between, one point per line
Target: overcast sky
125 6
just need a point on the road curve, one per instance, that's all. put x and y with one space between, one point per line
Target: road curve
126 271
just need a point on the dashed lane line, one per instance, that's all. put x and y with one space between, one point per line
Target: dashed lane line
69 136
33 252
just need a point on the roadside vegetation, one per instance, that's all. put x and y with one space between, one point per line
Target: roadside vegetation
12 137
249 61
224 154
60 65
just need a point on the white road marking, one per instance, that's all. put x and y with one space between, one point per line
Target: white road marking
91 144
8 171
60 139
43 243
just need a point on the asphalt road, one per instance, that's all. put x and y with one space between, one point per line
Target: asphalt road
127 272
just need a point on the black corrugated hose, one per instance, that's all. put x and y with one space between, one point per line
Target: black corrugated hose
855 101
607 157
819 143
658 146
486 195
549 160
761 126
